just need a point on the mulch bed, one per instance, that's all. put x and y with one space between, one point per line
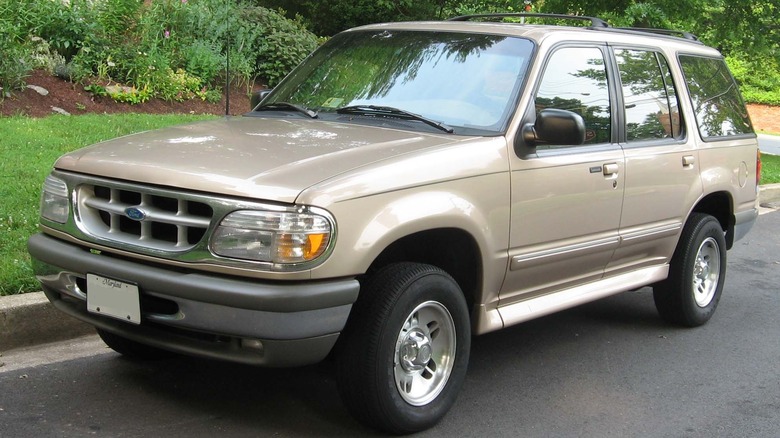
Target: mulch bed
72 98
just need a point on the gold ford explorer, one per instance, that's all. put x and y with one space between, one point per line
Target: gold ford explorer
408 186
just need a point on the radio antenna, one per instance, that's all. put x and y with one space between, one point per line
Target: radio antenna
227 59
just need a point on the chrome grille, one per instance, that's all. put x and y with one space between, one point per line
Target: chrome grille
143 218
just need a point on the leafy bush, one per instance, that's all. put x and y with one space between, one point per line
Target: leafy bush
41 34
117 17
171 49
14 63
195 36
279 44
14 60
42 57
204 60
65 25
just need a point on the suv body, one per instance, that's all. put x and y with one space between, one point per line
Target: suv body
554 166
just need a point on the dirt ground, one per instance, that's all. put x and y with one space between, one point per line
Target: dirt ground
73 99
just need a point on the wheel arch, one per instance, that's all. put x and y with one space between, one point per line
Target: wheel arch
720 205
453 250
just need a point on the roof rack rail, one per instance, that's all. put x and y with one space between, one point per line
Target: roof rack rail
670 32
594 22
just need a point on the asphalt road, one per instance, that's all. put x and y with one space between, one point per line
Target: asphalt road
609 368
769 144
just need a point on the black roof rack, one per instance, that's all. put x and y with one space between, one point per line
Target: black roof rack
670 32
594 22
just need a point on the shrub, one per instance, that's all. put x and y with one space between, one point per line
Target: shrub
172 49
67 26
204 60
280 44
42 57
196 35
14 63
118 17
759 80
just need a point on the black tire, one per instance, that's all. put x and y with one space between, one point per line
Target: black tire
413 308
690 295
131 349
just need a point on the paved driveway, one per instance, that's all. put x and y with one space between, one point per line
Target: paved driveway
769 144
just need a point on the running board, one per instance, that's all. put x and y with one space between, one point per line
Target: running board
522 311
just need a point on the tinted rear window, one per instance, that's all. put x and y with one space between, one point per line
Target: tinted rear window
716 99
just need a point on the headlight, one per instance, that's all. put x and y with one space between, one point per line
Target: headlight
278 237
54 200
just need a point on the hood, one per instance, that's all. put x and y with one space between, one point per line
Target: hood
260 158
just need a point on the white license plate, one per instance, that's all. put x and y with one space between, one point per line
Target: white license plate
114 298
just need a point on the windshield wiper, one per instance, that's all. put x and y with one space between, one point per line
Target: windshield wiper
388 111
274 106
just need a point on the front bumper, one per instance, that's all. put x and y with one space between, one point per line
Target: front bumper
240 320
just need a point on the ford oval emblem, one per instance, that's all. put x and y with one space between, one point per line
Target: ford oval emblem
135 213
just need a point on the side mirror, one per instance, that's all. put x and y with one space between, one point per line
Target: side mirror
555 127
257 97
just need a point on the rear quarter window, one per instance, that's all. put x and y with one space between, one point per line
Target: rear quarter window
717 103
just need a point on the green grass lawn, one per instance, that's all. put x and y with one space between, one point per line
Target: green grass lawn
28 149
770 173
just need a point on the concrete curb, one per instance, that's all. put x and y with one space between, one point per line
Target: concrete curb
28 319
769 196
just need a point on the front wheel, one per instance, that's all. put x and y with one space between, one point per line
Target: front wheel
690 295
403 355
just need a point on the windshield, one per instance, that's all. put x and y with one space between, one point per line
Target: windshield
467 81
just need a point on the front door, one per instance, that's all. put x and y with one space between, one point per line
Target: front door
567 199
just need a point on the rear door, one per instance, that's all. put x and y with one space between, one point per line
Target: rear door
662 163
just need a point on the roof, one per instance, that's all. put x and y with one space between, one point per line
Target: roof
595 30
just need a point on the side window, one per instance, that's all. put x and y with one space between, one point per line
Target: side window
575 79
716 100
651 107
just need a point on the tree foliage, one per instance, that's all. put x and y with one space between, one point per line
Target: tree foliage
330 17
744 26
747 32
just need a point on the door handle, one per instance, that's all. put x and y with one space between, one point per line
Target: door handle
688 160
610 169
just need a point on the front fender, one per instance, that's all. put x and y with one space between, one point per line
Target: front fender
367 226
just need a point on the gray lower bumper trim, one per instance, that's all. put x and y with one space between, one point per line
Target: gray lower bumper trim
224 291
274 353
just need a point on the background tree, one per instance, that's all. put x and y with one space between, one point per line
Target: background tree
747 32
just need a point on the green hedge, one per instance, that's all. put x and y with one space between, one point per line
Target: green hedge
759 80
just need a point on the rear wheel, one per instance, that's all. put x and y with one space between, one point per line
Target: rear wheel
132 349
690 295
403 356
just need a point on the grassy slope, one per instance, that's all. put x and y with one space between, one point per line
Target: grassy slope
28 148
